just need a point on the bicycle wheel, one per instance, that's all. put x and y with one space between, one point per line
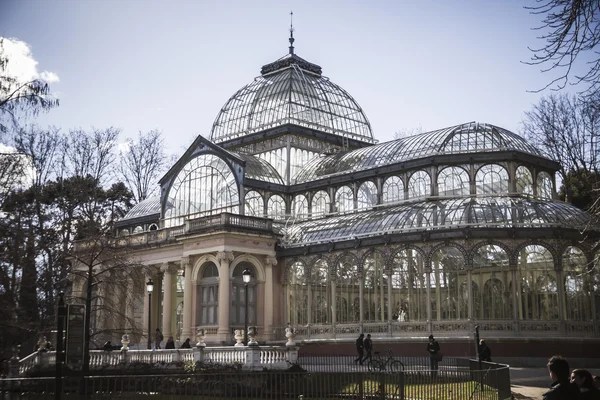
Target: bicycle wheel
374 366
396 366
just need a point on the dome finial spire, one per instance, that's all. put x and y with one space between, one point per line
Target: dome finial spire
291 32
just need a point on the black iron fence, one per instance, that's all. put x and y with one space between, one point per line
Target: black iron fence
458 383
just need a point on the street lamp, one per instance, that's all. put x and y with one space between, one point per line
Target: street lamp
246 275
149 287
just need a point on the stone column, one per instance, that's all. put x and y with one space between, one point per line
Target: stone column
225 258
268 297
186 332
169 272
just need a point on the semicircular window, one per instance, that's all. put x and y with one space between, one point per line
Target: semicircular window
491 179
204 186
255 206
367 195
393 190
453 181
524 180
544 184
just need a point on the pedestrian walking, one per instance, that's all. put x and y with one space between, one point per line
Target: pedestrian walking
485 353
562 388
435 356
368 345
158 337
360 348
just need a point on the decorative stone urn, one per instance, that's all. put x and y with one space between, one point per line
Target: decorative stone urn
239 337
200 336
252 332
290 335
42 344
125 342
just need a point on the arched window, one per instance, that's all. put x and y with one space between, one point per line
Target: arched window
409 288
153 227
577 286
453 181
393 190
124 232
205 185
447 275
375 289
367 195
347 290
544 185
491 179
344 199
537 291
300 207
492 273
276 207
419 185
320 204
238 296
320 289
209 289
255 205
524 180
297 285
138 229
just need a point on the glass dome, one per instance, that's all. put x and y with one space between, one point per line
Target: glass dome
144 208
472 137
291 91
477 212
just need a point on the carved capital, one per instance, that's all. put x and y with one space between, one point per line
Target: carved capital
185 261
225 256
270 260
168 268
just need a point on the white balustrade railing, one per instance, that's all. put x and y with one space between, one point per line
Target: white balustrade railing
249 357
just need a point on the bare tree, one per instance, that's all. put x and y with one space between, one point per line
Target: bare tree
142 163
20 97
569 28
91 153
566 129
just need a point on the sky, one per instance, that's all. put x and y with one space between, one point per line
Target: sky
171 65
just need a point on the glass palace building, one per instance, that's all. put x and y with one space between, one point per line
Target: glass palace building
433 233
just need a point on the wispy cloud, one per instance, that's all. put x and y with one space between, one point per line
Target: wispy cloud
21 64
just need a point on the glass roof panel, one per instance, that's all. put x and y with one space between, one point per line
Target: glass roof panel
259 169
489 212
147 207
466 138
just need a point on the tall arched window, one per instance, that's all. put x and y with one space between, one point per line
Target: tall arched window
276 207
255 204
320 289
491 179
453 181
344 199
367 195
491 272
393 190
205 185
537 292
320 204
209 294
544 185
577 286
347 290
409 288
524 180
419 185
375 288
300 207
297 285
238 296
447 275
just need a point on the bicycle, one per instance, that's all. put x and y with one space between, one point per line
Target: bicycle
379 363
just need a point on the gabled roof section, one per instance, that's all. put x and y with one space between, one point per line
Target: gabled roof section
199 144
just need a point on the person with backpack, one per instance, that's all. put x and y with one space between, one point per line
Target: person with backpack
485 353
360 349
368 345
433 348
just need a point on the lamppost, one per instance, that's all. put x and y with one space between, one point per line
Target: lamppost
149 287
246 275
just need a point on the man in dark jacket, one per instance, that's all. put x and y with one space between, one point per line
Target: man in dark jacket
368 344
359 348
485 353
561 388
433 348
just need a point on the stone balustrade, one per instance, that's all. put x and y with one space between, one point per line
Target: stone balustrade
255 358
